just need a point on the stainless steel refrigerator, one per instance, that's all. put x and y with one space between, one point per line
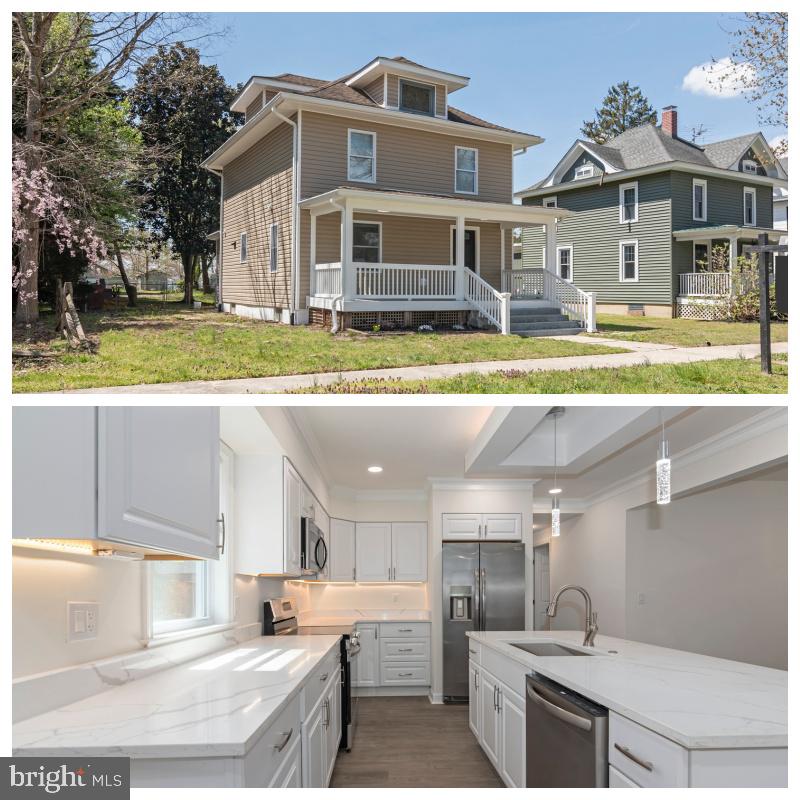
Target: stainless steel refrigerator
483 589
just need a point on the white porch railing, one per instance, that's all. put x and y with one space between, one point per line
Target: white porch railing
522 282
327 280
405 281
487 301
705 284
541 283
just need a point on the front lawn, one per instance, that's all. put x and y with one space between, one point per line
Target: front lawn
684 332
734 376
158 343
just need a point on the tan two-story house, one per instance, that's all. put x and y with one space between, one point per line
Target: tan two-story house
372 200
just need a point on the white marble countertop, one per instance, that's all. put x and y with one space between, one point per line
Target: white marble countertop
217 705
352 615
698 701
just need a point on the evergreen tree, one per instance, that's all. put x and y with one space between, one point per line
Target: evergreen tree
624 107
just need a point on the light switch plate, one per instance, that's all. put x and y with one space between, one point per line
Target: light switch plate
83 621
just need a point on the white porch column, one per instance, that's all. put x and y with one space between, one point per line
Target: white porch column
460 258
346 256
733 246
312 256
550 246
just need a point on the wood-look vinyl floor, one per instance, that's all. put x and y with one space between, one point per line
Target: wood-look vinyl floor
404 742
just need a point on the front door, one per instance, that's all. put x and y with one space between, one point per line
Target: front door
470 248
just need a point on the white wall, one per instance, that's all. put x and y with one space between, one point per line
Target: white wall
708 573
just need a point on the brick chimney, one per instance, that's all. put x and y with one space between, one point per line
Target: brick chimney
669 121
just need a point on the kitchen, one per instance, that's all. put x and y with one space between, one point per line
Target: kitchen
351 596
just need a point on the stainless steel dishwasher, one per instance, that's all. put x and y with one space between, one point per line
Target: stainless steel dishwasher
566 737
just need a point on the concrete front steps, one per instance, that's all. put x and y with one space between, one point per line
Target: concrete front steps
537 318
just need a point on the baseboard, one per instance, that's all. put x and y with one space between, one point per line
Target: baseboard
437 698
391 691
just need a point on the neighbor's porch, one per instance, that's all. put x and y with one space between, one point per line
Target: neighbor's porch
382 251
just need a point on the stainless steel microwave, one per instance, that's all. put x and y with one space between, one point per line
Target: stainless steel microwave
313 550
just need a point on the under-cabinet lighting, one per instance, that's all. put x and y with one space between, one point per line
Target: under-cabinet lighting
57 545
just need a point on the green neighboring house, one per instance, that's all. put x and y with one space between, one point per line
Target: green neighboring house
648 206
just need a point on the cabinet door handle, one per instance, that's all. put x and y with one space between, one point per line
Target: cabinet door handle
405 674
476 679
354 573
376 631
327 720
286 737
648 765
405 630
405 650
494 698
221 521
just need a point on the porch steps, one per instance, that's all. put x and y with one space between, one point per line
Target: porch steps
542 321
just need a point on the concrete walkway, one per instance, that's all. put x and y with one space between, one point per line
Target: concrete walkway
640 354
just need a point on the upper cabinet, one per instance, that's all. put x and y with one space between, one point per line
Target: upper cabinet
497 527
373 551
409 551
342 551
143 477
391 551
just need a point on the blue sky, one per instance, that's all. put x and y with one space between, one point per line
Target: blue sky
539 73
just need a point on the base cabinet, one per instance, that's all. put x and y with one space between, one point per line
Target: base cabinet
474 703
489 732
368 661
290 773
511 753
322 731
393 654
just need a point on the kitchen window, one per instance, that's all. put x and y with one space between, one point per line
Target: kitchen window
419 98
273 247
361 156
564 253
367 242
629 261
750 207
466 170
186 597
584 171
699 202
629 202
242 248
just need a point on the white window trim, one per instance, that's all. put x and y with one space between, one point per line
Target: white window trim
425 84
477 245
546 200
242 248
374 176
749 190
622 187
380 239
700 182
456 170
747 162
559 248
273 243
622 245
544 255
578 170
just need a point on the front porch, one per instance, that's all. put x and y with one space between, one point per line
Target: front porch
446 256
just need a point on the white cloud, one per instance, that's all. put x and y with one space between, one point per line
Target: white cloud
718 79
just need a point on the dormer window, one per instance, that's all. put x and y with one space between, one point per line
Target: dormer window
418 98
750 166
584 171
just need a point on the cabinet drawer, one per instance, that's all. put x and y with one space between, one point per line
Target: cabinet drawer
405 649
415 630
616 780
318 680
411 674
289 774
648 759
266 756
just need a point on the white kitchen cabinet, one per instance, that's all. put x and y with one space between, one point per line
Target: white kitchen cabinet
144 477
342 550
290 773
511 751
616 780
498 527
490 727
474 699
292 514
368 661
333 724
409 551
373 551
315 748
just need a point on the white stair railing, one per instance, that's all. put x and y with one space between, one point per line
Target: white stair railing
572 301
522 282
492 305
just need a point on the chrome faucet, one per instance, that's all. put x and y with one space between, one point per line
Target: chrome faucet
590 630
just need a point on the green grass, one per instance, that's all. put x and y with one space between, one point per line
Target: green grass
735 376
684 332
153 344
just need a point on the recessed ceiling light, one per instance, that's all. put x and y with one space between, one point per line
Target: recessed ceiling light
375 468
554 490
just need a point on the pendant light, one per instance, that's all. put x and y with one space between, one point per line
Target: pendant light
663 468
555 510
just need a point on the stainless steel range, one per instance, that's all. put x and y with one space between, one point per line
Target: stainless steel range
280 619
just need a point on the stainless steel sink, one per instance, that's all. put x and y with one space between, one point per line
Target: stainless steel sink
548 649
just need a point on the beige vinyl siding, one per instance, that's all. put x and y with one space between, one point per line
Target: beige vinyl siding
392 91
407 159
441 100
375 89
253 108
258 192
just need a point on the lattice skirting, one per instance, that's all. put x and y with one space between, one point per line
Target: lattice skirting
389 320
700 309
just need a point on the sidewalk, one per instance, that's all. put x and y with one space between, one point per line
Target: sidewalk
640 354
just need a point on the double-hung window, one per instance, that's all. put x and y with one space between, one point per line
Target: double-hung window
418 98
749 206
361 156
584 171
242 248
629 202
550 202
750 166
699 200
367 242
629 261
466 170
564 253
273 247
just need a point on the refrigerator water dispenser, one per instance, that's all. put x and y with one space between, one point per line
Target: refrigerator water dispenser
461 603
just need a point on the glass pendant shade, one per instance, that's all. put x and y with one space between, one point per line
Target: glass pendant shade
663 476
555 519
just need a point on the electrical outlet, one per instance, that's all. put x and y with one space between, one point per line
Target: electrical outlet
641 598
83 621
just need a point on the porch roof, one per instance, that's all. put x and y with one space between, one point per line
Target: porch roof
431 205
724 232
